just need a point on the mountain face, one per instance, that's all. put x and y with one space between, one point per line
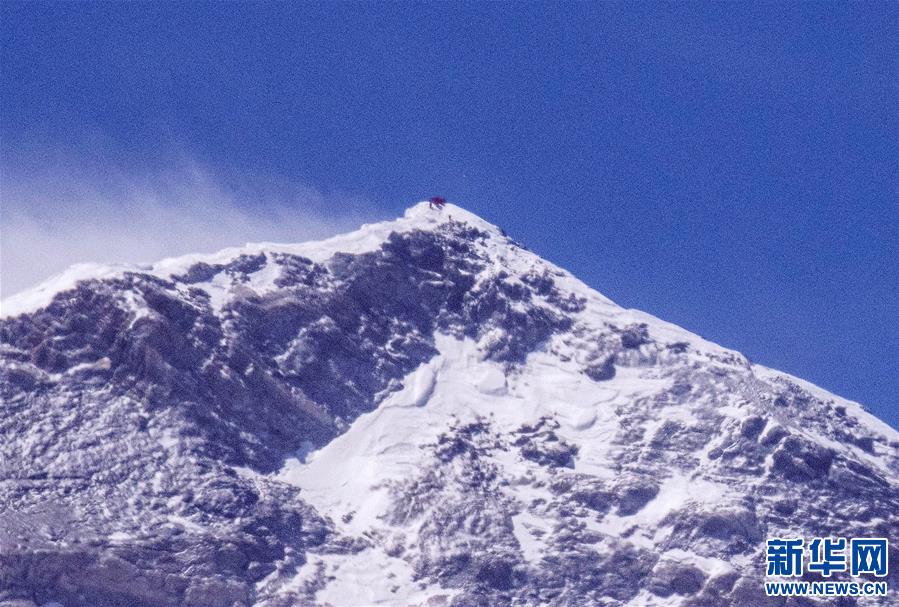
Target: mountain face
418 413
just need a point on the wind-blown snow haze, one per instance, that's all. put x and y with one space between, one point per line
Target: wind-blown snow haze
55 217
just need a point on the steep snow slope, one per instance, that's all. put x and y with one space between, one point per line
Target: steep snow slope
421 412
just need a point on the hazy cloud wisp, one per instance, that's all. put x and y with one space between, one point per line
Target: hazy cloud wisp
54 220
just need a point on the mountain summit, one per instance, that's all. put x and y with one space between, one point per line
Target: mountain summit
421 412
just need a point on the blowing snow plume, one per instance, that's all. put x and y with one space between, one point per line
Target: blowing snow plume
54 218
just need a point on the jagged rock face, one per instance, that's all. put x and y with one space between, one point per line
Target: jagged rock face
437 418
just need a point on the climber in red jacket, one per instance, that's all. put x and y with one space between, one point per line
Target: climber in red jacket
437 203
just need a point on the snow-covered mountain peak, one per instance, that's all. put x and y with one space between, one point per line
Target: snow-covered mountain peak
420 412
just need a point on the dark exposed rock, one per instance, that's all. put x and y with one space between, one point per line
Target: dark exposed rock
801 461
634 336
542 445
199 272
497 574
752 426
634 497
678 347
602 370
675 578
592 494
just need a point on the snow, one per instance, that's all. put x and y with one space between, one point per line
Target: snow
367 238
97 365
709 565
676 492
365 579
120 537
377 447
423 382
385 445
218 289
582 420
490 380
263 280
529 529
168 440
853 408
41 295
186 523
646 599
457 387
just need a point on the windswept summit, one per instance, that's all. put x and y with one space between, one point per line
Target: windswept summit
421 412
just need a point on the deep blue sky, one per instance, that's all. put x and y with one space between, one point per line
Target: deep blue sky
729 167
